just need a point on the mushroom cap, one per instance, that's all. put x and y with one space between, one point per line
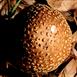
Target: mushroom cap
47 39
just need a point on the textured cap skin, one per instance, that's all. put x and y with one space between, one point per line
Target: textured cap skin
47 39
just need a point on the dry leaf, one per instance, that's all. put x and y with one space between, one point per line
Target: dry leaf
11 3
63 5
69 70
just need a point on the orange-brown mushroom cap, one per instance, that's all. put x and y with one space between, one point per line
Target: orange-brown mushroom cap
47 39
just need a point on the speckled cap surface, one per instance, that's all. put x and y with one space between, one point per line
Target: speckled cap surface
47 39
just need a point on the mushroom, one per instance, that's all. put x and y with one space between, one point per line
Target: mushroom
47 39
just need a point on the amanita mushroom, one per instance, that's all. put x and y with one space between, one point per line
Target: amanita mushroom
47 39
